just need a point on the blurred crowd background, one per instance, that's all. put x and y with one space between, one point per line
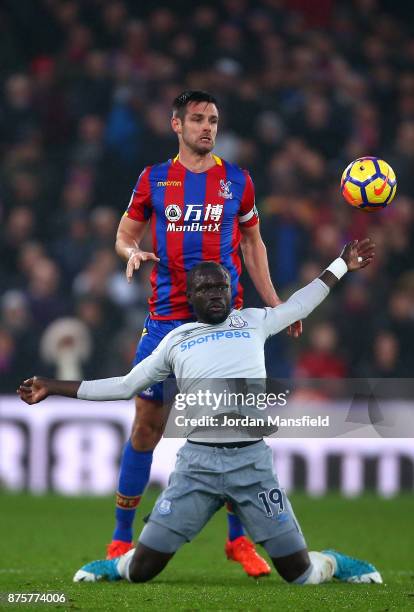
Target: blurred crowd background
304 88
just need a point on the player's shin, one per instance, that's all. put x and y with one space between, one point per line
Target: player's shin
133 478
321 569
234 524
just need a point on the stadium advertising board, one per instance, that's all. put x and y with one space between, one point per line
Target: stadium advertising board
74 448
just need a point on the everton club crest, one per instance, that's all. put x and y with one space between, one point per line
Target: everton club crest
237 321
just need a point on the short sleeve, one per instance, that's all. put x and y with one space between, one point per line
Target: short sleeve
248 215
140 205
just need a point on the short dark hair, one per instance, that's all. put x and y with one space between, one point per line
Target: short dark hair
205 266
191 95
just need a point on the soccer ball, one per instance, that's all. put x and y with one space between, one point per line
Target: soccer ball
369 183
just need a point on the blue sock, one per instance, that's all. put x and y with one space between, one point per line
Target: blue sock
133 478
235 527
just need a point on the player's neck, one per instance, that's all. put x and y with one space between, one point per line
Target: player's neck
195 162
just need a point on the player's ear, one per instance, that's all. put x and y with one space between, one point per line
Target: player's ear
176 125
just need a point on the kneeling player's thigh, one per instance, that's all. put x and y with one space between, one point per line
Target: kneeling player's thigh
267 515
160 539
185 506
265 509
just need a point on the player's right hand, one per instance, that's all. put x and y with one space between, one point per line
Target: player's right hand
135 259
33 390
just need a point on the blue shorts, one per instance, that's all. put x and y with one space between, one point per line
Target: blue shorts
152 334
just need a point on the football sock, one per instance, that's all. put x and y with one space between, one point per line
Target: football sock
235 527
123 564
133 478
320 570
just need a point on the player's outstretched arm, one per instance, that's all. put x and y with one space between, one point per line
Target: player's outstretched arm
34 390
155 368
354 256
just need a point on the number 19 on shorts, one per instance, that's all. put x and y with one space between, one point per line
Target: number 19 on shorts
272 501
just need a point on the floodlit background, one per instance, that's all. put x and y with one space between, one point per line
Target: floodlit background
85 103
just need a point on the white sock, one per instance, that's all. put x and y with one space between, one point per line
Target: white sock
321 570
123 564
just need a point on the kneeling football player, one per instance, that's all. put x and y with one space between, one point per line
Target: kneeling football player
207 474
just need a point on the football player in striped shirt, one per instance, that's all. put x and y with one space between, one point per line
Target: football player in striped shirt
199 207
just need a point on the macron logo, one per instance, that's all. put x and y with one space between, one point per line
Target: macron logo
213 338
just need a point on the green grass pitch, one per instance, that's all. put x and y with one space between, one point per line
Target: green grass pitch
44 540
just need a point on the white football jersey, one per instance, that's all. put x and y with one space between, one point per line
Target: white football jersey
195 351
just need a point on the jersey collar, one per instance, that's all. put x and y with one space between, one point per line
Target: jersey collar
217 159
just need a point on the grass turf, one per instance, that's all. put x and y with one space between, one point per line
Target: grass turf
46 539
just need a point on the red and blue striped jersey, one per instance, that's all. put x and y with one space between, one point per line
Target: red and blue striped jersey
194 217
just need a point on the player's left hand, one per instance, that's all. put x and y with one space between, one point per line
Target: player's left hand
358 254
295 330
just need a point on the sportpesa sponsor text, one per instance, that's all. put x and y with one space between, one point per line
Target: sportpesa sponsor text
213 337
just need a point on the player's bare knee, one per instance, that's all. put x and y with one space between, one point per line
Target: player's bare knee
292 566
145 436
148 425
